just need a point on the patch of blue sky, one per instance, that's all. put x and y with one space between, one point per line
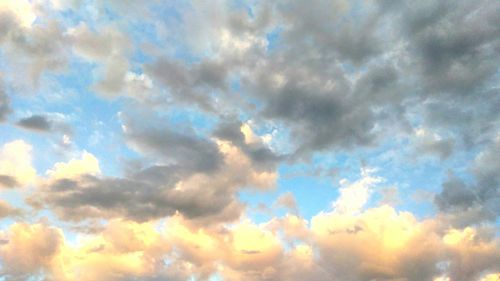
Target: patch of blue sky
91 13
244 5
215 277
202 123
273 38
93 119
36 278
312 193
43 155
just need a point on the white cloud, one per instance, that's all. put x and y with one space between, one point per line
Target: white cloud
353 196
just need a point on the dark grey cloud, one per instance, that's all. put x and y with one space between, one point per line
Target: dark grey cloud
36 122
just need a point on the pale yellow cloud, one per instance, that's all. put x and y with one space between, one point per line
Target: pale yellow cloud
16 162
376 243
87 164
124 249
491 277
22 9
28 248
253 247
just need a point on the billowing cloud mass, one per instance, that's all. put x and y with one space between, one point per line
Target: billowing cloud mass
249 140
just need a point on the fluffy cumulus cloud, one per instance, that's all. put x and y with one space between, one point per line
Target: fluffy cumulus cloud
249 140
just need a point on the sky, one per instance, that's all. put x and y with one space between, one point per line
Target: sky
191 140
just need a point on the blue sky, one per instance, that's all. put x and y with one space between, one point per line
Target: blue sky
249 140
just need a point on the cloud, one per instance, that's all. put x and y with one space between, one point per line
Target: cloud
16 164
87 165
476 202
35 122
353 196
205 196
23 11
29 45
189 84
6 210
430 143
265 85
471 254
123 250
452 58
287 200
374 244
8 181
107 46
5 108
254 146
184 149
28 249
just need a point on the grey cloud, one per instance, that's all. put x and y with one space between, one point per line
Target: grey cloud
455 194
7 210
110 48
471 121
479 201
346 81
182 148
35 122
37 49
455 43
190 84
287 200
322 107
335 96
48 122
191 176
261 155
443 148
322 25
8 181
5 108
92 197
